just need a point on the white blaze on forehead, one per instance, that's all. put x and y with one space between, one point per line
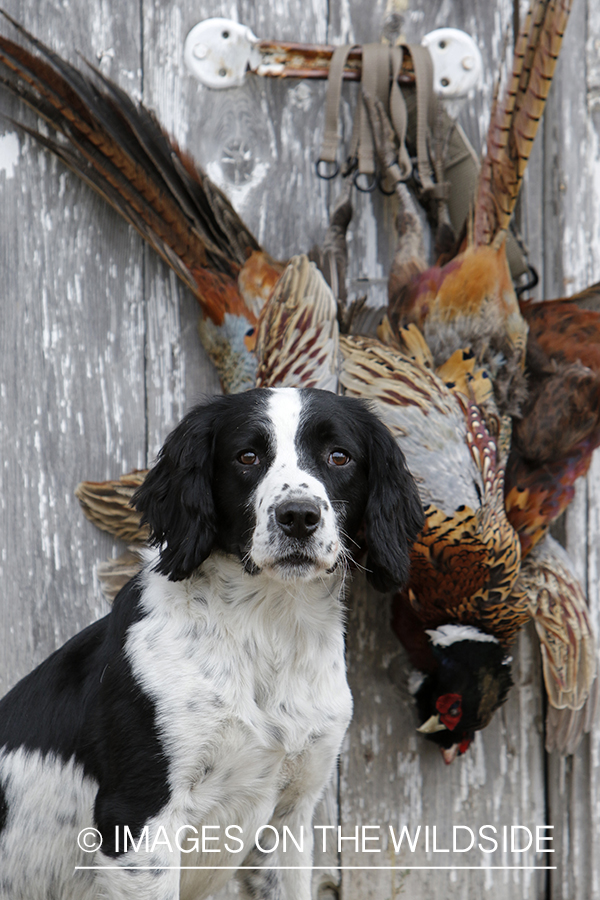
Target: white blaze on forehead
285 480
284 409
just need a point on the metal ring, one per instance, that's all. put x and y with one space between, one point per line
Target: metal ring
327 176
405 173
529 286
370 187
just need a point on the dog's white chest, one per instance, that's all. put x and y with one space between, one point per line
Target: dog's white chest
258 691
253 714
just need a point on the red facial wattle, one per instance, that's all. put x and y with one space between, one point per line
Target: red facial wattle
449 706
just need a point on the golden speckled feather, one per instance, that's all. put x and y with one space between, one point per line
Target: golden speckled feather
107 505
297 340
515 120
559 609
423 414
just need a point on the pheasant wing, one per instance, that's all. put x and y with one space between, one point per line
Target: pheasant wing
108 505
297 340
423 414
560 613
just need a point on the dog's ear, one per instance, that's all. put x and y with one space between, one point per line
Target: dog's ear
394 514
176 498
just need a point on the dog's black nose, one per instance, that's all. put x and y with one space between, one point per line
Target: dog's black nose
298 518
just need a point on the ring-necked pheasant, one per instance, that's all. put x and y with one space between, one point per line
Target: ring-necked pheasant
460 609
470 300
560 425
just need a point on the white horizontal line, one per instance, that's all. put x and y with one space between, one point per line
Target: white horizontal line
325 868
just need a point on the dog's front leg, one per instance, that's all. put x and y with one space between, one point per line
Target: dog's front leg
152 874
280 866
296 849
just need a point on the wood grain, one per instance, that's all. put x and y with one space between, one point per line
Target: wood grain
71 359
392 777
572 260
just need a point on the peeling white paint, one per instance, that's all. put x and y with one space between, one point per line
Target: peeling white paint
9 153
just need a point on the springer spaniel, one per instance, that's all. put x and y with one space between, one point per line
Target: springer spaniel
192 730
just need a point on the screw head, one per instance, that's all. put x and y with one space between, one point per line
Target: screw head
200 51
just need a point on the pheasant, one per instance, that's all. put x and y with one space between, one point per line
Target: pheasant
119 149
560 426
470 301
460 609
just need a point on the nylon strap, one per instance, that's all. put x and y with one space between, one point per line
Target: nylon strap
380 68
423 68
376 81
332 103
458 165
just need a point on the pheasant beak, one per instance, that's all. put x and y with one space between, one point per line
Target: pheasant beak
432 725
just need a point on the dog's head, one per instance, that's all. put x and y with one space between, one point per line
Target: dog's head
283 479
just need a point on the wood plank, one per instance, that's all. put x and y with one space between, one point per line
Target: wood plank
252 142
71 360
572 227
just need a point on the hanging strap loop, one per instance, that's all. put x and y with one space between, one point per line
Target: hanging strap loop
423 68
331 136
381 65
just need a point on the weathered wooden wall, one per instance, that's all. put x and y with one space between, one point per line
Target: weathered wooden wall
99 358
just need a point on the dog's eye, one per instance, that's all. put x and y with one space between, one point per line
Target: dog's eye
248 458
338 458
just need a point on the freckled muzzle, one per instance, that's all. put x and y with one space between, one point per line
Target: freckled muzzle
296 536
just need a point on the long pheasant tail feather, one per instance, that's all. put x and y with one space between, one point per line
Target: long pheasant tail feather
119 148
72 105
214 220
516 116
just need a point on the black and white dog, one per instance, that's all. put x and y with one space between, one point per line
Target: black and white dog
212 701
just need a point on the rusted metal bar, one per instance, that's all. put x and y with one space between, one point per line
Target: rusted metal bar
283 59
220 53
